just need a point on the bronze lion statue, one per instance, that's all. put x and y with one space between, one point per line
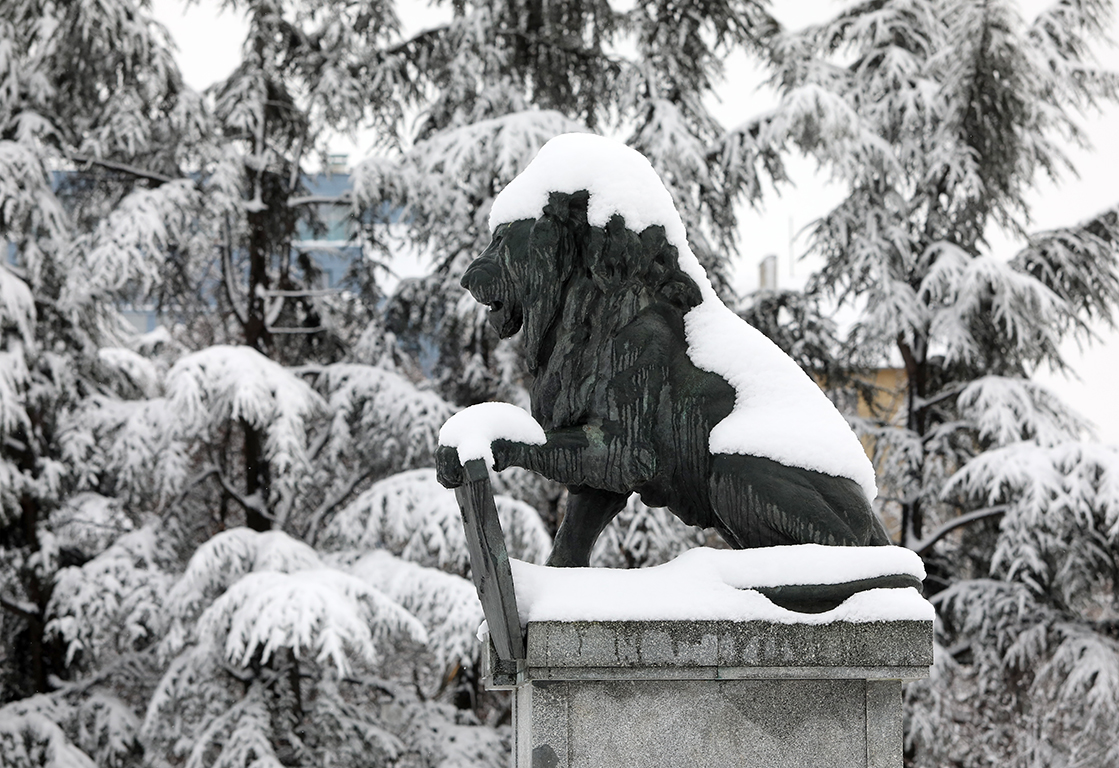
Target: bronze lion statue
607 314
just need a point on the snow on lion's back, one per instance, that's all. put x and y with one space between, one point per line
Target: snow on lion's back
779 412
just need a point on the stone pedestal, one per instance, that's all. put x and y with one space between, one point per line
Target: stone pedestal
713 694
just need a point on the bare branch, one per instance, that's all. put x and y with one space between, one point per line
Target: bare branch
234 672
966 519
132 170
307 292
193 483
20 607
342 199
211 471
227 276
293 177
246 503
331 503
316 329
920 403
406 46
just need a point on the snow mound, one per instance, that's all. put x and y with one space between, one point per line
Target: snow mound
712 584
779 412
472 430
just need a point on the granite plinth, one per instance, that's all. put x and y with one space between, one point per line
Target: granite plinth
713 694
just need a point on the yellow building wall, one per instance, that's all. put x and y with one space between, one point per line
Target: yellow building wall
886 403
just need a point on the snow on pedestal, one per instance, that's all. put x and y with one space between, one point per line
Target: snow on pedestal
685 664
716 584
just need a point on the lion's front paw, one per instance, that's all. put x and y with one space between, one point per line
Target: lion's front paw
448 468
505 453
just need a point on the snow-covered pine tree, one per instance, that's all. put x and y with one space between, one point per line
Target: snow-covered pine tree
939 116
90 112
83 85
264 645
311 71
121 458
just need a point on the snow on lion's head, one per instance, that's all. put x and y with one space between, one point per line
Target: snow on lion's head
619 181
586 230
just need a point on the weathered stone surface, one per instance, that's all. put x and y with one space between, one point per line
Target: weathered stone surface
771 723
884 723
714 694
727 644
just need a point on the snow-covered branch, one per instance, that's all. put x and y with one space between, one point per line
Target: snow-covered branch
20 607
252 503
297 331
1080 264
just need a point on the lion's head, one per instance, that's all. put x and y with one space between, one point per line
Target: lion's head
534 268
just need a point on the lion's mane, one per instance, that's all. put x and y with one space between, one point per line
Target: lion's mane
582 284
596 275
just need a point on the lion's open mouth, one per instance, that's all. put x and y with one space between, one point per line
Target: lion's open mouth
491 285
505 318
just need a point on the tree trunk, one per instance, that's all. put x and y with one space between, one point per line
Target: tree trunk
258 479
257 335
36 665
916 373
39 596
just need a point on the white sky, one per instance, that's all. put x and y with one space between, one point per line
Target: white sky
210 42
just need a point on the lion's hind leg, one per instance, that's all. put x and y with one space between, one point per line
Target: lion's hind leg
760 503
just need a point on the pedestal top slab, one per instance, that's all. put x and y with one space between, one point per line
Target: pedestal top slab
728 644
713 650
